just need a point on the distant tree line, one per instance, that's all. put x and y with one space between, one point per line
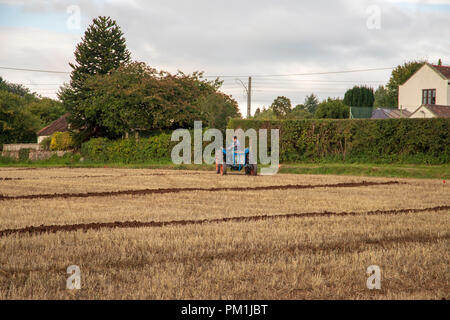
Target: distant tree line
281 108
336 108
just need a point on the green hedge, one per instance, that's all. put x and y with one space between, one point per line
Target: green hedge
424 141
128 150
364 140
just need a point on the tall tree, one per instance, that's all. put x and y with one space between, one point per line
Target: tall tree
281 106
399 76
101 50
311 103
382 99
359 96
217 109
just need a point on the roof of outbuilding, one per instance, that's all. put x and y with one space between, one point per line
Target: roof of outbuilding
384 113
399 113
59 125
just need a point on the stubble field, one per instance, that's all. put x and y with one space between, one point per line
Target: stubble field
167 234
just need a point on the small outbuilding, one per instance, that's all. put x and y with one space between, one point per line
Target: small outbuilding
59 125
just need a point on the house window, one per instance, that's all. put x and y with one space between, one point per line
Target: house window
429 96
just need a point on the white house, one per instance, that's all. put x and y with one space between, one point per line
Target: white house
428 86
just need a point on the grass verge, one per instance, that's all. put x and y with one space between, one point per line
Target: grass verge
371 170
418 171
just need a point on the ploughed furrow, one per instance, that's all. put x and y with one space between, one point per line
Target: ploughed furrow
176 190
141 224
111 176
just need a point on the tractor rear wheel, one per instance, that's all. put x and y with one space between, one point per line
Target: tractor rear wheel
223 169
218 154
217 167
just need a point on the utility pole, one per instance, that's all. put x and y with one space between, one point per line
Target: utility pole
249 98
248 90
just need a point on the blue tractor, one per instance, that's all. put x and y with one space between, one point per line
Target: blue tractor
235 161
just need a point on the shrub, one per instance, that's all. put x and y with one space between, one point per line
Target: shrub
24 154
95 149
362 140
157 147
61 141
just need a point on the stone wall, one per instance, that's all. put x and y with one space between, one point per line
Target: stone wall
18 146
34 154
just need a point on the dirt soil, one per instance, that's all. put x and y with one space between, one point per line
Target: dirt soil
176 190
139 224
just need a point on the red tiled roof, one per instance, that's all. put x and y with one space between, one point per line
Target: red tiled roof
59 125
444 70
439 111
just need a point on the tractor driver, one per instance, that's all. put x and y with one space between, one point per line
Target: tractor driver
235 145
232 150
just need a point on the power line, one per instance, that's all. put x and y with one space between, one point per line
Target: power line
229 76
35 70
302 74
298 91
293 81
265 81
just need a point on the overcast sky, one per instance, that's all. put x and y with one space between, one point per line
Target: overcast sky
234 38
